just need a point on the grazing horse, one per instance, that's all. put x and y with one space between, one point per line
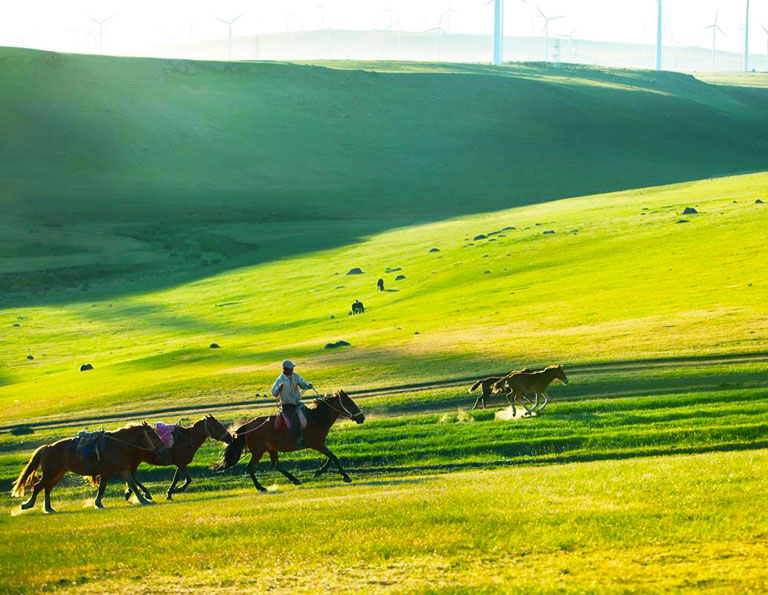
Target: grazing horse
188 441
357 307
114 456
260 435
489 388
519 383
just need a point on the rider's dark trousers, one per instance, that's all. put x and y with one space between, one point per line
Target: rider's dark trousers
292 413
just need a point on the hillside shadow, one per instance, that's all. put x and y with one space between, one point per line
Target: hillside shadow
393 150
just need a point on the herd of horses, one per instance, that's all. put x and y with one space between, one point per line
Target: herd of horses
120 452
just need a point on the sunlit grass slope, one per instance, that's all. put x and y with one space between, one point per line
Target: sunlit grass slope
650 525
121 175
623 276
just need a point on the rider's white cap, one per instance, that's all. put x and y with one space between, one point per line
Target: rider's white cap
288 364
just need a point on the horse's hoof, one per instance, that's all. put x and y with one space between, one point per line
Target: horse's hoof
169 496
262 490
148 496
26 506
49 511
127 495
297 482
98 505
347 479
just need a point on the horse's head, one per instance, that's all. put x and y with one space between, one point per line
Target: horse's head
214 429
347 406
560 373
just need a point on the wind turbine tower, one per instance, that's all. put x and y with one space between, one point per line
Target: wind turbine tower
746 40
766 46
715 28
229 25
546 31
498 32
658 38
101 30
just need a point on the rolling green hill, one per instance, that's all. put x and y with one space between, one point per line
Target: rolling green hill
122 174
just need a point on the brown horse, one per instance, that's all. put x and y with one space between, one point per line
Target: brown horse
188 441
114 456
519 383
489 388
260 436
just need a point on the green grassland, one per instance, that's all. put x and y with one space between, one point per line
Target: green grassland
177 204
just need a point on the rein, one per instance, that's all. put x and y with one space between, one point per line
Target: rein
146 435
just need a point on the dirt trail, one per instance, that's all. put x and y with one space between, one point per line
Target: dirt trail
250 405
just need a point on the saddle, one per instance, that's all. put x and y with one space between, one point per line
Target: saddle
88 443
167 433
283 424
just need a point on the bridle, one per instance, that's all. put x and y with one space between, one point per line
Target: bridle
344 412
208 431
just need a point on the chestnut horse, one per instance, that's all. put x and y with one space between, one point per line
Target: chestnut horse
489 388
114 456
188 441
519 383
260 436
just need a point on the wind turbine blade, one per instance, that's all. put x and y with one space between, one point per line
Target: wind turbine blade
237 17
555 18
721 31
109 18
543 16
764 29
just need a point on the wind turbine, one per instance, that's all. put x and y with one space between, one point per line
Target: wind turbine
439 30
715 28
658 38
383 32
101 29
229 25
546 31
746 40
498 31
569 37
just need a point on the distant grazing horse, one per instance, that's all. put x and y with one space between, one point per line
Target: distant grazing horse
188 441
357 307
488 385
260 435
113 455
519 383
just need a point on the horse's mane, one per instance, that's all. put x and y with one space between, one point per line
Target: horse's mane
129 427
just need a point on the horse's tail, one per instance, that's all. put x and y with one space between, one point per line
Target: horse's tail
29 474
476 384
232 452
93 480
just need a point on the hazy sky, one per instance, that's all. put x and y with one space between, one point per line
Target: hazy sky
65 24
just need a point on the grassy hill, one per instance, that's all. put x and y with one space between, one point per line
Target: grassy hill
122 175
623 277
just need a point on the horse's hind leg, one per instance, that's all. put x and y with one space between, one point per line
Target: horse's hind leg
49 487
100 493
324 467
39 484
544 404
251 468
172 487
278 467
187 481
511 404
324 449
128 477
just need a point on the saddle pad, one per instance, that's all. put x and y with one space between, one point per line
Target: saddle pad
165 431
283 424
87 443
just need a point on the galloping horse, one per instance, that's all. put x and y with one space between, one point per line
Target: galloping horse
519 383
188 441
260 436
489 388
115 456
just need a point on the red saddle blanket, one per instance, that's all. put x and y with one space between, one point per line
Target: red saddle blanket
283 424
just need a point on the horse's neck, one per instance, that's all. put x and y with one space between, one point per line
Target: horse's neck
549 375
330 414
197 434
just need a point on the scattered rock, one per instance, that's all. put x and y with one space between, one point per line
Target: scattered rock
214 346
549 232
393 269
22 430
16 324
682 221
539 224
30 357
492 240
485 256
486 272
337 344
339 287
355 271
480 236
332 317
416 333
757 201
431 250
86 367
690 211
399 277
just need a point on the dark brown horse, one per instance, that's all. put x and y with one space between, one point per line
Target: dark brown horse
260 436
188 441
113 456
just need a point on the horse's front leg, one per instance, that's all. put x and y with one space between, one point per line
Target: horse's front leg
511 404
169 493
278 467
100 492
187 481
544 404
326 451
128 477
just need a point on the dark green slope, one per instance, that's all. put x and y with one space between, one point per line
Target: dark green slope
163 147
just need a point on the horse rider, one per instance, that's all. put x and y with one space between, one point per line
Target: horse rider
286 388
